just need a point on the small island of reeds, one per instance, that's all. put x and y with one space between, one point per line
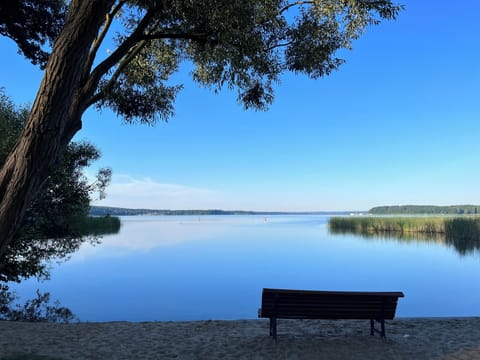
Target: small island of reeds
463 233
467 227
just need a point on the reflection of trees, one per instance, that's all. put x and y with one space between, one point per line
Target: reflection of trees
463 236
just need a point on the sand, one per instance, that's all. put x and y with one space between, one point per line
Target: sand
418 338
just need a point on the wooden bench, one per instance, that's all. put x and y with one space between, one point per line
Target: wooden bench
303 304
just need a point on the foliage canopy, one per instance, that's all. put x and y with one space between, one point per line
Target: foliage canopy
230 43
32 24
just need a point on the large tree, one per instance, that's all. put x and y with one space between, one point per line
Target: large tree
242 44
56 222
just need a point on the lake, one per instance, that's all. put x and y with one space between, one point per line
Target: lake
214 267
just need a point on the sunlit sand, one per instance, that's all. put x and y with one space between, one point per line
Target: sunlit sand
416 338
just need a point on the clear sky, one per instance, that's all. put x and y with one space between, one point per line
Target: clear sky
399 123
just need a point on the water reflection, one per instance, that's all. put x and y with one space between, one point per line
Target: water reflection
141 234
191 268
462 245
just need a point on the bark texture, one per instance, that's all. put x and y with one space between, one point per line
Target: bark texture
55 116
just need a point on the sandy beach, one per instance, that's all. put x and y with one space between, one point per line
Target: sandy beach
415 338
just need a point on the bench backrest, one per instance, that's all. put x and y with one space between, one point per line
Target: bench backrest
303 304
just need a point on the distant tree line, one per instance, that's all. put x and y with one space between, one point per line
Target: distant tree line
426 209
116 211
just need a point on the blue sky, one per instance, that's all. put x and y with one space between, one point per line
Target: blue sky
397 124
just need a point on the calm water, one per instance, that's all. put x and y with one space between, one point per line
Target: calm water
214 267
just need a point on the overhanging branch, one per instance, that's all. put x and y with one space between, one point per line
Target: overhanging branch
121 66
296 3
115 57
98 41
200 37
270 48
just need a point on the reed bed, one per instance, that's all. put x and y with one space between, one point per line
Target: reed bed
101 225
467 227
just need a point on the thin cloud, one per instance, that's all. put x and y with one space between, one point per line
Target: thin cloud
127 191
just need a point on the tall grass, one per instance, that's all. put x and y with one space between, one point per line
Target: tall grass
401 225
101 225
463 233
458 227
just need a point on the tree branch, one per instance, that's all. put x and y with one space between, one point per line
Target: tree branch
98 41
201 37
296 3
121 66
127 51
88 89
270 48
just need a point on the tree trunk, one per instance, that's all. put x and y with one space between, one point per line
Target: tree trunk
55 116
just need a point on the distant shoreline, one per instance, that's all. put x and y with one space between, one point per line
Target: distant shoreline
379 210
115 211
425 210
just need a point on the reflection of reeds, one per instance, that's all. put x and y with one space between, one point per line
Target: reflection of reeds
468 227
463 233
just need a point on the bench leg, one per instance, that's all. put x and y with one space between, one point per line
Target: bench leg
382 322
381 332
273 327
